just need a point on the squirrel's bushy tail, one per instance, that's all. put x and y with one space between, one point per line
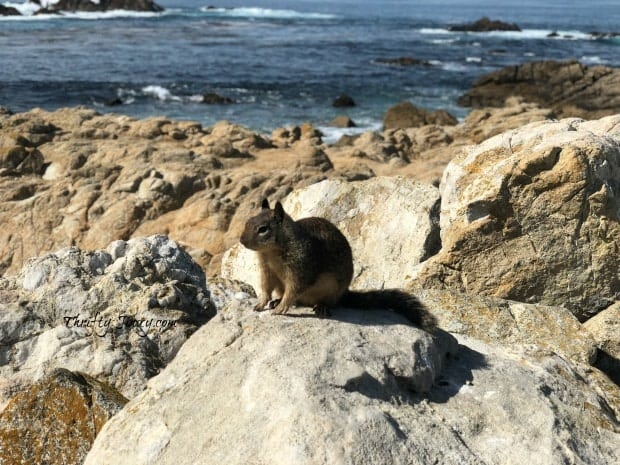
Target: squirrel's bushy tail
399 301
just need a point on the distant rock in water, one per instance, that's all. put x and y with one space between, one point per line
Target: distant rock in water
9 11
406 115
604 35
211 98
51 7
569 88
343 101
115 101
403 61
485 25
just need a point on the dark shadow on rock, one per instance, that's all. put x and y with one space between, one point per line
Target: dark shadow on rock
459 361
609 365
457 373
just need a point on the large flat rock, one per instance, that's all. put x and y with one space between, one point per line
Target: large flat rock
357 388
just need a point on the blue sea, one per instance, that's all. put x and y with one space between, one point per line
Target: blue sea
284 62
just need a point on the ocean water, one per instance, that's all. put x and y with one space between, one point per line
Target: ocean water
284 62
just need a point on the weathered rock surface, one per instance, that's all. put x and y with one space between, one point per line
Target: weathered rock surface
423 153
485 25
379 241
406 115
358 209
605 329
56 420
119 314
356 389
341 379
533 215
542 329
73 177
482 124
569 88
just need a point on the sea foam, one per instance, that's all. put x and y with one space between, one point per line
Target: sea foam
160 93
265 13
525 34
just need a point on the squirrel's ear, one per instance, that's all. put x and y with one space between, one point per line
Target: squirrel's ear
265 204
279 211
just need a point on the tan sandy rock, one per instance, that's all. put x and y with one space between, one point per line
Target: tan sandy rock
532 215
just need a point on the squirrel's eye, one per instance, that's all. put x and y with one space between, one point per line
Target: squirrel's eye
263 230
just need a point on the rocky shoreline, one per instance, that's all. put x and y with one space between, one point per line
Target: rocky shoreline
126 295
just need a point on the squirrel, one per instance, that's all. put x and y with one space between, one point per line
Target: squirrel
309 262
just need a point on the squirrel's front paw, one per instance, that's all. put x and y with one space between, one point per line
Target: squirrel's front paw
270 305
261 307
280 309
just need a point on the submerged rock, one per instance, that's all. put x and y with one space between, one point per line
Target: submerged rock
56 420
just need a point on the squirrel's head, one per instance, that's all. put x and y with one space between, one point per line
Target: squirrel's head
261 232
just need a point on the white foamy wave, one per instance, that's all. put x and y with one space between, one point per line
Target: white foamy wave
443 41
331 135
537 34
473 60
524 34
266 13
434 30
450 65
592 60
160 93
26 8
